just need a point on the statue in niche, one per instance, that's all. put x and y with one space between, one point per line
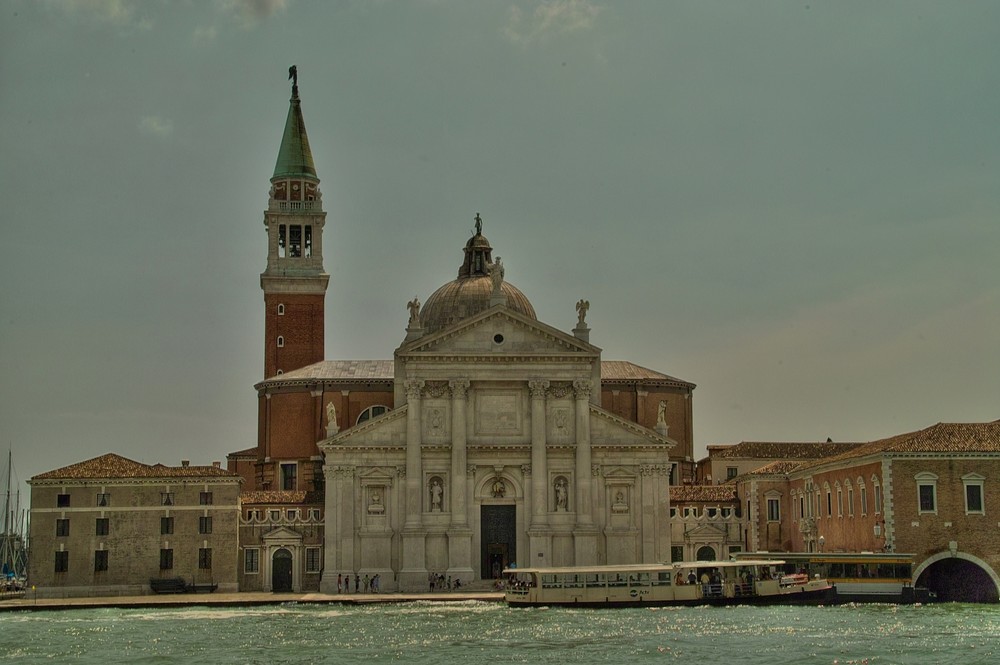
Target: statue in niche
375 501
499 489
437 494
619 505
436 420
581 312
562 494
331 415
414 307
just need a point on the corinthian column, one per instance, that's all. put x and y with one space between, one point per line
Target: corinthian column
414 472
582 388
539 468
459 393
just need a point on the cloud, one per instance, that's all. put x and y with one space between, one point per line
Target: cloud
249 12
114 12
204 34
154 125
551 17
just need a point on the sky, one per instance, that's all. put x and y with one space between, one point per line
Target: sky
793 205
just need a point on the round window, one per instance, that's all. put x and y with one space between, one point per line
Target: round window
498 338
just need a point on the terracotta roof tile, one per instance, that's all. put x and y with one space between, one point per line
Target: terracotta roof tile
248 452
116 466
940 438
783 450
714 493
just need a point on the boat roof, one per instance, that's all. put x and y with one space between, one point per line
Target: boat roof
644 567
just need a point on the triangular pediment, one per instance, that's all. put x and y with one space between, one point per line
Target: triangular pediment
282 535
705 531
386 430
499 331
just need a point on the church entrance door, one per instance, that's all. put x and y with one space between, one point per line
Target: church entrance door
281 571
498 536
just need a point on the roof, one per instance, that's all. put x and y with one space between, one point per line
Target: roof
680 493
294 156
939 438
383 370
246 453
623 370
777 467
782 450
275 497
115 466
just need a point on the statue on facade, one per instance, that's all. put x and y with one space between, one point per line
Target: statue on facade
331 416
496 275
581 312
479 225
375 502
661 413
414 307
437 493
562 495
499 489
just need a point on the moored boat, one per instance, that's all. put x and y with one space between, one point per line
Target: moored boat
747 582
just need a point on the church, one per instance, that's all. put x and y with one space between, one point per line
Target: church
490 439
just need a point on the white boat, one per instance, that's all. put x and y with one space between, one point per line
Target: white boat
747 582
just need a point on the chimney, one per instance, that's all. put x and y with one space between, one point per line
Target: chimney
185 462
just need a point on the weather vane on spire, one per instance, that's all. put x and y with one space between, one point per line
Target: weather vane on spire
293 73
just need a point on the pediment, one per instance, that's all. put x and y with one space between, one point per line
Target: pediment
499 331
283 535
607 429
705 531
389 429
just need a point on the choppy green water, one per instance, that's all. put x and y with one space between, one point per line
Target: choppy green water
489 632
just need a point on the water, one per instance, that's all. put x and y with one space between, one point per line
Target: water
491 633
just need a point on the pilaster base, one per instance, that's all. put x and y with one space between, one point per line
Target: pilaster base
539 548
413 571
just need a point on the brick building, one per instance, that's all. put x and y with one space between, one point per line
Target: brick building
109 525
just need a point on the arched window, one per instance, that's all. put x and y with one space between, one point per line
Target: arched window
706 553
371 412
281 309
281 342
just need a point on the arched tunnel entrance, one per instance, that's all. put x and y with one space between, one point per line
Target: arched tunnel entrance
958 580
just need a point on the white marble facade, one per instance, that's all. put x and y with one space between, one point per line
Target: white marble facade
497 453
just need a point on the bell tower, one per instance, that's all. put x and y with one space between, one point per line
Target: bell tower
294 282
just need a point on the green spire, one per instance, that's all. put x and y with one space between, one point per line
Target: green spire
294 157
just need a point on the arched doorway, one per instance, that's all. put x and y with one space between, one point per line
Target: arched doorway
281 571
705 553
958 579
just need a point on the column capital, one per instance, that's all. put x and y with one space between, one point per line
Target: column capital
459 388
538 388
582 388
413 388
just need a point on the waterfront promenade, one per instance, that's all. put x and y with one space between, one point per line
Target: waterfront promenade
238 600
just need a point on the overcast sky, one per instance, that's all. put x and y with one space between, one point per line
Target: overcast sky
793 205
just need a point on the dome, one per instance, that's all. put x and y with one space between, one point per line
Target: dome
472 292
465 297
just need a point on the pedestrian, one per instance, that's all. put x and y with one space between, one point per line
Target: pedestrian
357 582
367 582
340 583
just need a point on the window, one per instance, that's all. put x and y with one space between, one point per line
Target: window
877 495
773 509
103 526
312 559
281 309
314 514
840 502
673 512
205 499
288 474
62 501
973 483
372 412
676 553
850 501
731 472
166 559
711 512
274 515
829 500
295 241
204 558
727 513
281 342
926 492
251 560
166 498
62 528
802 507
204 524
62 562
100 561
864 499
103 500
166 526
292 515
